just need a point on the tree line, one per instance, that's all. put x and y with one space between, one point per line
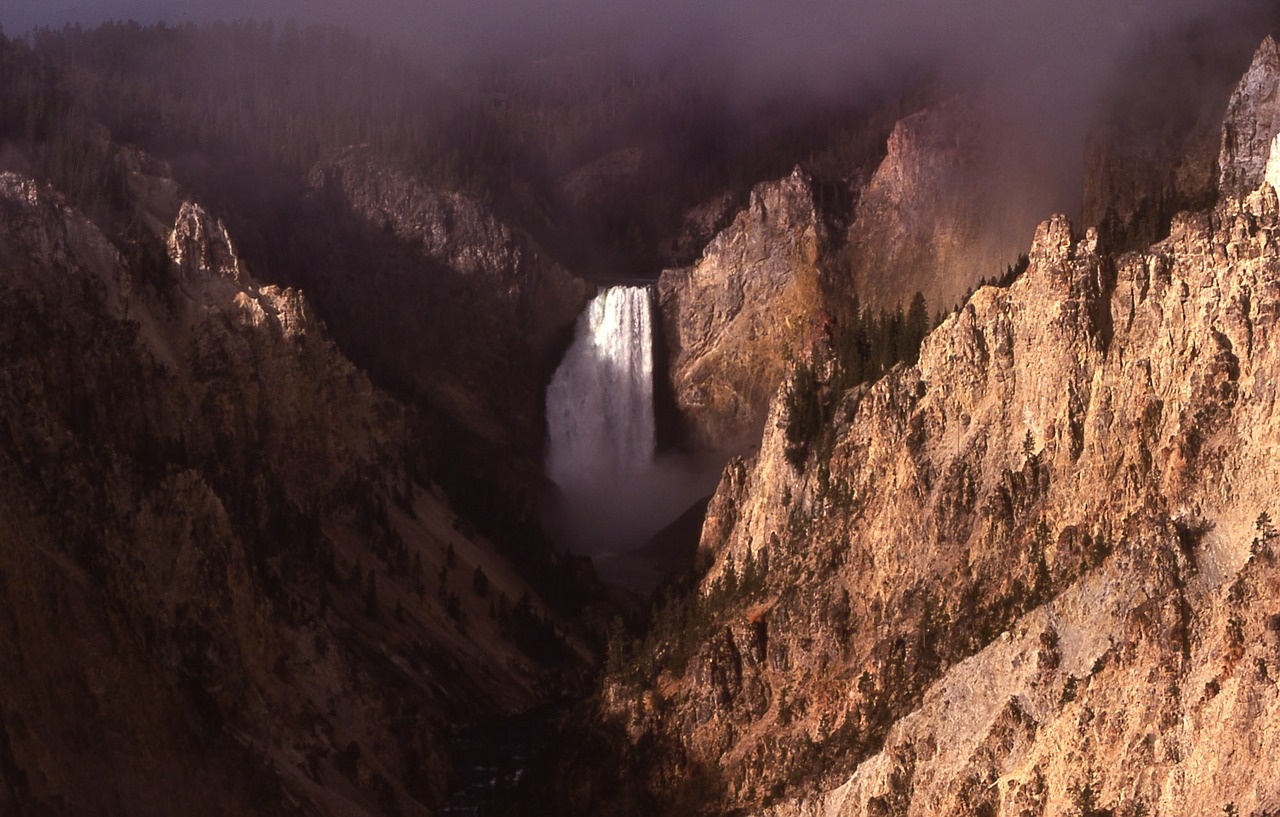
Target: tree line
863 348
220 98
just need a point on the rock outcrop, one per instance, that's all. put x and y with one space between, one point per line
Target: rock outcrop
730 321
1034 573
449 302
698 226
1132 670
1253 118
924 222
1153 149
784 270
1272 174
230 585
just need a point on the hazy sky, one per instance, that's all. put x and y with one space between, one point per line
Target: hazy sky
795 37
1042 61
1036 47
1048 54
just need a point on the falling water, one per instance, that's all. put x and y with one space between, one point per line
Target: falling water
614 493
600 401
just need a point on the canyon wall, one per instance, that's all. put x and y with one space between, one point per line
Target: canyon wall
1033 573
232 585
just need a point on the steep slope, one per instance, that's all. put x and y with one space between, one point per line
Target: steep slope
1253 118
926 221
455 312
1153 149
730 320
1146 682
229 584
1031 574
791 263
499 312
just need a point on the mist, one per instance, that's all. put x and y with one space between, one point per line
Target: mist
1034 71
615 521
1038 67
821 46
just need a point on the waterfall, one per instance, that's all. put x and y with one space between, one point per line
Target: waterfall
614 493
600 401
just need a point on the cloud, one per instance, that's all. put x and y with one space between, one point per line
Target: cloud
802 41
810 44
1042 63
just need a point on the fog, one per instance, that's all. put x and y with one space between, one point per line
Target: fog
1035 69
614 521
1040 64
1060 48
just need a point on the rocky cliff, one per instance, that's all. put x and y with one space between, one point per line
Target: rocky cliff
1033 573
230 585
1253 118
925 221
731 320
437 295
787 267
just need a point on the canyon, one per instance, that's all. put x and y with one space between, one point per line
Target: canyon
321 482
226 570
1031 573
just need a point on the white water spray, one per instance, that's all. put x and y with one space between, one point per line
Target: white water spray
614 494
600 401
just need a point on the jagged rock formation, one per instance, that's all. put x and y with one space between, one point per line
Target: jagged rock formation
229 585
698 226
730 320
923 222
1153 151
1253 118
785 269
449 303
1034 573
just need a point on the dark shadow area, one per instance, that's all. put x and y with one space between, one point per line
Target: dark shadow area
668 427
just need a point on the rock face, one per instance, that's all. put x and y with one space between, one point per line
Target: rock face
1033 574
730 320
1272 174
497 311
698 226
776 278
1253 118
1153 150
922 224
217 540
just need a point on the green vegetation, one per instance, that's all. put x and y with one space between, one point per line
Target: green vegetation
681 619
806 414
1069 691
863 348
371 596
1011 274
1261 545
1084 797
